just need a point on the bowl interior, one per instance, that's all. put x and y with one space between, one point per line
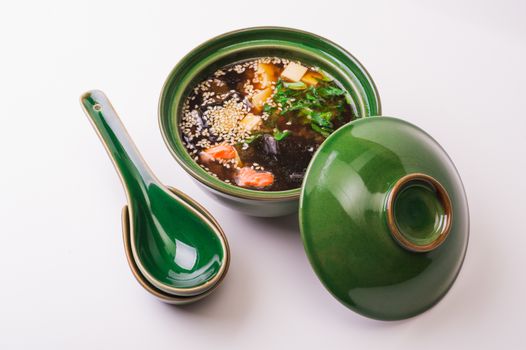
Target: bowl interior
248 44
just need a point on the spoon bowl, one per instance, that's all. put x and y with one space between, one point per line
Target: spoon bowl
159 294
178 249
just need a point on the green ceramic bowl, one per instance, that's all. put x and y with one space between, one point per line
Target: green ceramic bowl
246 44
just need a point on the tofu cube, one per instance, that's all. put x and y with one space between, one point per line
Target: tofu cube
265 75
251 122
311 78
259 99
293 72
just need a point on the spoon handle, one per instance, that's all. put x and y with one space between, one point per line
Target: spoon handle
133 170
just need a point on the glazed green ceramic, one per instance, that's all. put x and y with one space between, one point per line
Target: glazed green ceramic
384 218
156 292
246 44
177 248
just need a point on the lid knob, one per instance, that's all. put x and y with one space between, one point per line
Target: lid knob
419 212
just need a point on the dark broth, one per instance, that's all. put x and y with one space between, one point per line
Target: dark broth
257 123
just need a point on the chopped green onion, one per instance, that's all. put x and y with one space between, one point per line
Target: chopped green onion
325 75
295 86
251 138
323 131
280 135
348 98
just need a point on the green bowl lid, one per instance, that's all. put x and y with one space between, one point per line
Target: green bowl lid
384 218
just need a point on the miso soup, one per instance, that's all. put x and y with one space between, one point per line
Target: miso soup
257 123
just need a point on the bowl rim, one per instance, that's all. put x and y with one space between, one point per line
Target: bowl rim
205 178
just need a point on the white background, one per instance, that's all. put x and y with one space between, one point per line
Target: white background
456 69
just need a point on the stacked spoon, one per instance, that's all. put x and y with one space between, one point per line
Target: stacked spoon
176 250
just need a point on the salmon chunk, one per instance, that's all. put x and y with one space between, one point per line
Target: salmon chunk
248 177
219 152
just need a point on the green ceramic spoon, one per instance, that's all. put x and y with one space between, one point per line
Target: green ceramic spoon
176 248
159 294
